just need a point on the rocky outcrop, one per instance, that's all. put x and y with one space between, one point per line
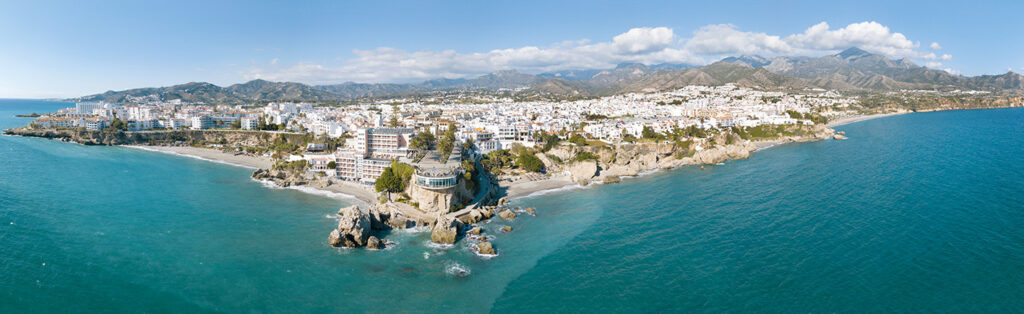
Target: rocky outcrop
374 243
507 214
445 230
485 248
353 228
476 231
581 172
285 178
839 137
506 229
387 216
438 201
169 138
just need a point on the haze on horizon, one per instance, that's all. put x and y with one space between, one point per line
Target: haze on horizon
68 49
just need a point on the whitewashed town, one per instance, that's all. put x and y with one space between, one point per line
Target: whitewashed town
383 130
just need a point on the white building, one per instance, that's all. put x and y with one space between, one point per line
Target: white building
202 122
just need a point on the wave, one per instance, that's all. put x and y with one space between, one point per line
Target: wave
456 269
308 190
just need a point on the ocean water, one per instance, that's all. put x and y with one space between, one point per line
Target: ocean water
914 213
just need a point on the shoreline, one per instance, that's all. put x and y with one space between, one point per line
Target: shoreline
859 118
346 191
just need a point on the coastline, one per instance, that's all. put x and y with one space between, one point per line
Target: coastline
211 155
350 192
859 118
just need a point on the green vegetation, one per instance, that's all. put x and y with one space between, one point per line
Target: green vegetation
578 140
554 158
584 156
292 166
496 160
529 162
550 141
814 117
423 141
447 143
388 181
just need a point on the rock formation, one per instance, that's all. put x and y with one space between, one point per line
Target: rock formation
445 230
374 243
486 248
353 229
507 214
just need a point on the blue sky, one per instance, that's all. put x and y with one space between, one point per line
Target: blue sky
73 48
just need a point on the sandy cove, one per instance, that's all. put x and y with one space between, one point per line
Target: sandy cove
351 192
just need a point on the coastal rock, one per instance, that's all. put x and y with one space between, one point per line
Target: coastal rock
839 137
531 211
335 238
472 216
507 214
445 230
582 172
506 229
485 248
476 231
353 227
374 243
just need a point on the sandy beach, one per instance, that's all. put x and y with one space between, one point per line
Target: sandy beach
362 195
520 189
213 155
852 119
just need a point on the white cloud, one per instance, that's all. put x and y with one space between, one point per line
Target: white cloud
644 39
870 36
647 45
727 39
935 46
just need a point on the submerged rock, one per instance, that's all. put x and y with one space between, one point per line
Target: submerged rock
838 137
506 229
531 211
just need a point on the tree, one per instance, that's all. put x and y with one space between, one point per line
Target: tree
529 162
388 181
237 124
578 140
422 141
332 165
648 133
394 120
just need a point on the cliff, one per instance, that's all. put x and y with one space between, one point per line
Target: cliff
165 138
621 160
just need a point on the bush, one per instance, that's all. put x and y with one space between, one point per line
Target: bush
529 162
584 156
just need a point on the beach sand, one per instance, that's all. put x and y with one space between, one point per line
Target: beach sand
852 119
361 195
524 188
210 154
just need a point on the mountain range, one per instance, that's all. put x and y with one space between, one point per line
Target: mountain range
850 70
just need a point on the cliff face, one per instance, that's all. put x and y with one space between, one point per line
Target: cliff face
438 201
172 138
632 159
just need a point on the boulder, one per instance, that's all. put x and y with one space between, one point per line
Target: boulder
476 231
506 229
485 247
374 243
445 230
531 211
507 214
839 137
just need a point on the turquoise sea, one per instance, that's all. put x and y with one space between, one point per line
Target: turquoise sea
914 213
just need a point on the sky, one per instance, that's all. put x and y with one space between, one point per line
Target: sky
73 48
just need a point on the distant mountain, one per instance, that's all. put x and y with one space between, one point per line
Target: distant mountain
852 69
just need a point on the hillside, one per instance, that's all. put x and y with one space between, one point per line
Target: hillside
850 70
